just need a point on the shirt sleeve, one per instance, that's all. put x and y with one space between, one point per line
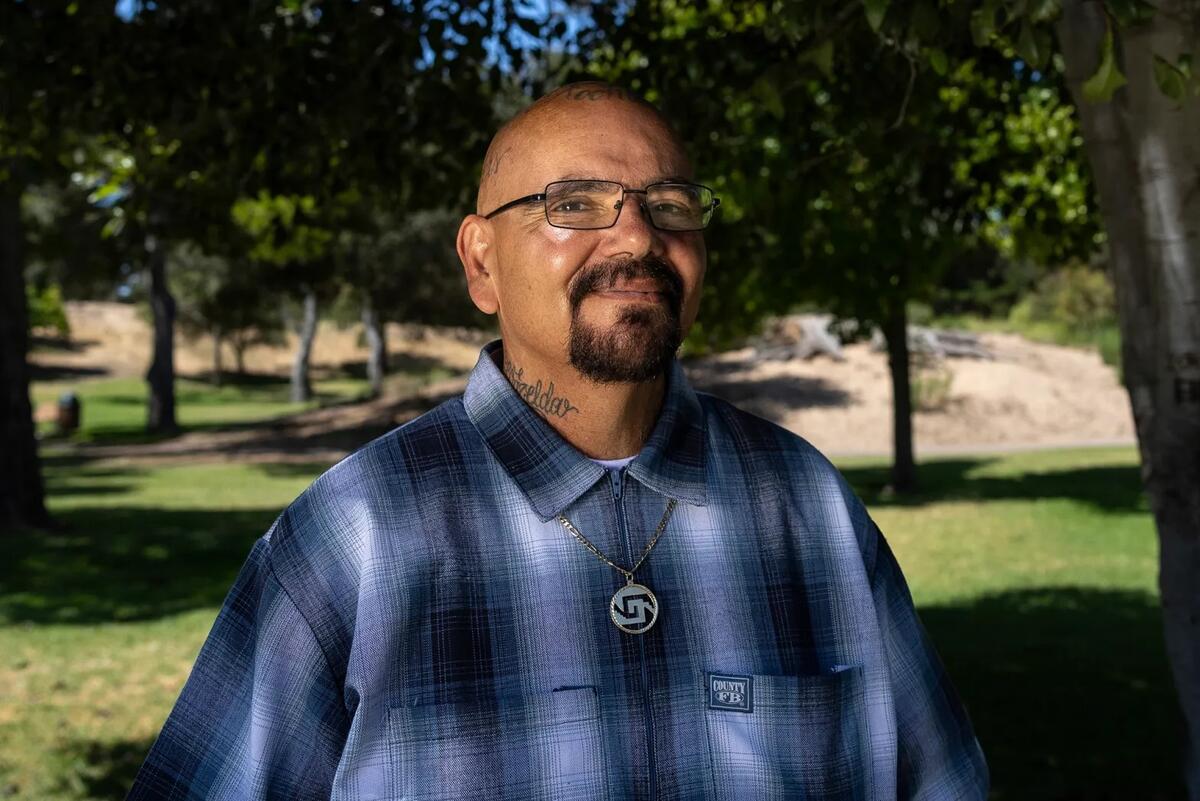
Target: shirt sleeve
261 716
939 756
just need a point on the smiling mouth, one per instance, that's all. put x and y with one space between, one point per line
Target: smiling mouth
641 288
653 296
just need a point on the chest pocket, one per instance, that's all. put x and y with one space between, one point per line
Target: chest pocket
548 746
800 741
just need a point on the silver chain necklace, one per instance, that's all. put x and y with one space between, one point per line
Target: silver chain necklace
633 608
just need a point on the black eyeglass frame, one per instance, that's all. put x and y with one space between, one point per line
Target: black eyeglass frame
541 197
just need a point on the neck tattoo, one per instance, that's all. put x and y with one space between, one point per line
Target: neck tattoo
536 395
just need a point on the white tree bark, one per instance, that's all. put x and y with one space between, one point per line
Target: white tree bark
377 354
307 331
1144 149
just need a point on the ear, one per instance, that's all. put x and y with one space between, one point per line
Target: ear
477 254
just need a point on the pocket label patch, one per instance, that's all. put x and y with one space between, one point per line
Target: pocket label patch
735 693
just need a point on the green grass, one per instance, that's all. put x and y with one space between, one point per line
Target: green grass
1034 574
102 620
114 409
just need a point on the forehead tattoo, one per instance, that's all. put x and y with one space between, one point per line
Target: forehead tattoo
491 165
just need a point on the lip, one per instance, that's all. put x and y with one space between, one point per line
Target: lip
645 296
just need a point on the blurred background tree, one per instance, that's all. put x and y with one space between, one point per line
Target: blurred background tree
859 173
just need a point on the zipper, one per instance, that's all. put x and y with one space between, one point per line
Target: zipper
618 482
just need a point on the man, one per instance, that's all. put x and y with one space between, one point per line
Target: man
585 581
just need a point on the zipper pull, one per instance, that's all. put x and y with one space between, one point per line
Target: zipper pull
617 479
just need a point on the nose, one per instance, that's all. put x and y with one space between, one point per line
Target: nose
632 233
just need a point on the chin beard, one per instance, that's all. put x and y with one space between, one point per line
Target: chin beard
640 345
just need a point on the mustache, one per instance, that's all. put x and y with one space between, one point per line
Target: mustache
605 274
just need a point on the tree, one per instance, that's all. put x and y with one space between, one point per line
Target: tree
21 491
46 49
1128 64
219 297
855 179
405 270
1139 105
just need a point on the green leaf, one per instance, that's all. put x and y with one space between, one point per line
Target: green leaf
938 61
1108 78
821 57
925 23
1130 12
983 24
1044 10
876 11
1033 45
1170 79
768 93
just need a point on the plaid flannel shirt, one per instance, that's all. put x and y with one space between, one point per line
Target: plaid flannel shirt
418 625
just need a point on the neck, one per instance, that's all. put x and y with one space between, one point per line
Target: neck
602 420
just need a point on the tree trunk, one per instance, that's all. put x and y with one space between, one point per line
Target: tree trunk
301 386
1145 155
239 355
377 354
22 497
895 332
218 367
160 418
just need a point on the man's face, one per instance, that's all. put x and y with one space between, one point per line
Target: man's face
612 303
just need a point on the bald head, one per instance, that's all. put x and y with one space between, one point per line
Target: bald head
563 114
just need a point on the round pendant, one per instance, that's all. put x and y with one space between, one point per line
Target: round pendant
633 608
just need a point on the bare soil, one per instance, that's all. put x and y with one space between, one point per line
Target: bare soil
1030 395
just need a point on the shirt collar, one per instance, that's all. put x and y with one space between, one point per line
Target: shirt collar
552 473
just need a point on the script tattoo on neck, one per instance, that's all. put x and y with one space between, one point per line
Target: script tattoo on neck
536 395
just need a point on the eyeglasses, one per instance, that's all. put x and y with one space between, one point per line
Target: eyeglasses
590 205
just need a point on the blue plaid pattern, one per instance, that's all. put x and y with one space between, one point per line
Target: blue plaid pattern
417 625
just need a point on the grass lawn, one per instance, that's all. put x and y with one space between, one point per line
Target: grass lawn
114 409
1034 574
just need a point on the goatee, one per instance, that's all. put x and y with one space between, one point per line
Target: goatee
640 345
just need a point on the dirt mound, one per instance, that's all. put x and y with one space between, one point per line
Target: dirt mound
1030 394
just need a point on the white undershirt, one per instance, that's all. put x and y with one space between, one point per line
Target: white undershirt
614 464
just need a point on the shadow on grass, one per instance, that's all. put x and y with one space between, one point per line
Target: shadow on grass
401 364
102 770
111 564
307 436
232 378
136 433
777 395
292 469
1069 693
61 344
40 371
1109 488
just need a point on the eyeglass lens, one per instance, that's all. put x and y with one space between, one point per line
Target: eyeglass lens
596 204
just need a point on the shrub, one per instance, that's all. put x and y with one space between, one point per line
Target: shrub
1108 342
929 385
1077 298
46 310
